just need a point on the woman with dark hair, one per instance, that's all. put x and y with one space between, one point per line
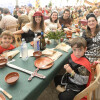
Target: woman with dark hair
52 24
92 36
32 28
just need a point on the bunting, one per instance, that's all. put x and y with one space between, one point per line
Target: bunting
37 3
90 3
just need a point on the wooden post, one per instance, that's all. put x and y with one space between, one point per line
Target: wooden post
16 2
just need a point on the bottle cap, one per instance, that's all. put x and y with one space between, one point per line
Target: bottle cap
23 39
35 35
62 25
41 33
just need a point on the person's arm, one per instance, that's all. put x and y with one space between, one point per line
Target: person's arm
18 32
46 26
2 25
24 29
19 21
81 78
59 26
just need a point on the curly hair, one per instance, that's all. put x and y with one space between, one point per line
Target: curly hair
34 24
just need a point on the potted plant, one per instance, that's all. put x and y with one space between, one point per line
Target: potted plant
56 35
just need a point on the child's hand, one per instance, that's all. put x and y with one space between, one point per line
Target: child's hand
68 68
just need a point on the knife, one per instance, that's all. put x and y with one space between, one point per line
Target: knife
6 93
24 70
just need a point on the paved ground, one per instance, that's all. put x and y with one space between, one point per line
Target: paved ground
50 93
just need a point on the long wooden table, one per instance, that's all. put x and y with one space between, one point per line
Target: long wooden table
25 90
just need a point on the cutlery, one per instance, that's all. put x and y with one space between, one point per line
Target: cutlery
35 72
46 64
6 93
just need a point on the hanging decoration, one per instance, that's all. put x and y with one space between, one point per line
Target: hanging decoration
90 3
37 3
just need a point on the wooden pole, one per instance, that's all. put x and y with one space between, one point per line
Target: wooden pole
16 2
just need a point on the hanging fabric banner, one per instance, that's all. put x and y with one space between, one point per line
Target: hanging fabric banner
37 3
90 3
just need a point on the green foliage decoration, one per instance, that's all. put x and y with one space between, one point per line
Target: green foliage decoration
55 35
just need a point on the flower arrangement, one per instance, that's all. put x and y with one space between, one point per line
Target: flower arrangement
55 35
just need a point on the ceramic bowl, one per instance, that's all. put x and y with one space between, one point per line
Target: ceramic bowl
12 77
37 54
2 97
3 62
77 30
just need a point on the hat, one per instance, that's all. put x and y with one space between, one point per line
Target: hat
38 13
91 15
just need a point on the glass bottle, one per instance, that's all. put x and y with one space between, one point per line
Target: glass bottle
42 42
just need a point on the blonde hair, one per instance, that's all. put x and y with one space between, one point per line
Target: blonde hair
7 33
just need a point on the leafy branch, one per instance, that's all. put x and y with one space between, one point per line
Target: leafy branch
55 35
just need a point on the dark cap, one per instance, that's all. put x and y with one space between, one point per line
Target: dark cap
91 15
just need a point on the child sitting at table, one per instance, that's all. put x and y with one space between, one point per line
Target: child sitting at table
78 71
6 40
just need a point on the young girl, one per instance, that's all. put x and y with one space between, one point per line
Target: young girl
6 40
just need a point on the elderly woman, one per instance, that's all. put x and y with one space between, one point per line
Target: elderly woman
92 36
35 27
52 24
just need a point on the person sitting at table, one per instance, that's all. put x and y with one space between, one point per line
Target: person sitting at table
6 40
97 14
65 20
22 18
35 27
52 24
78 71
92 36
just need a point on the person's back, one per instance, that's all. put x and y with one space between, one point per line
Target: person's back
8 21
22 18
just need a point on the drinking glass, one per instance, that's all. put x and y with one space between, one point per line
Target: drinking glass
69 34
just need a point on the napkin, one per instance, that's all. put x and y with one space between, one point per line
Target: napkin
51 53
30 53
11 54
63 46
55 56
48 52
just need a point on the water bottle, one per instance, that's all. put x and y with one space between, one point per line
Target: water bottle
36 43
24 50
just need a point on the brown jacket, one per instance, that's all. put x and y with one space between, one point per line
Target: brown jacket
23 19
